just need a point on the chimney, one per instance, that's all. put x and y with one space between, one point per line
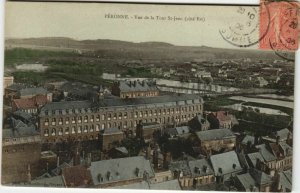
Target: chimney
167 160
134 83
89 160
57 162
76 160
257 165
148 152
155 159
28 174
277 139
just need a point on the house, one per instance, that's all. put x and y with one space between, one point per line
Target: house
110 138
21 143
199 123
49 181
283 181
135 89
221 120
29 105
215 140
146 131
253 181
175 132
121 171
181 171
225 165
166 185
77 176
201 172
31 92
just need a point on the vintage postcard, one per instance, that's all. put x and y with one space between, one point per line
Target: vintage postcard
149 96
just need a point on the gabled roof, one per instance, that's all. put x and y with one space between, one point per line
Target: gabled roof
182 130
76 176
260 177
56 181
248 138
225 163
266 154
285 180
137 86
121 169
19 129
180 166
247 182
253 158
283 134
32 91
167 185
30 103
200 167
214 134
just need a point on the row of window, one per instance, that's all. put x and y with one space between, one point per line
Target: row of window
154 112
137 94
115 116
125 124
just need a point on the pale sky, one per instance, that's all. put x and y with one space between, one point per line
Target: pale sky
87 21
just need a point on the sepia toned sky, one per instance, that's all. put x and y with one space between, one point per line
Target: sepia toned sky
87 21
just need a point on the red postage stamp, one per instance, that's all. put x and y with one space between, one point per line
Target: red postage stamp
279 25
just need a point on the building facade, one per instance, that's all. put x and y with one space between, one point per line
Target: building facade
82 120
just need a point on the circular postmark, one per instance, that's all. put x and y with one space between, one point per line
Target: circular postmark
285 39
245 30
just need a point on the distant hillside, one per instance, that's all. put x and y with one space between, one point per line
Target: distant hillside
104 48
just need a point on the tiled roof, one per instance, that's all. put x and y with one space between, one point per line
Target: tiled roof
76 176
214 134
180 166
55 181
32 91
260 177
167 185
107 171
30 103
248 138
164 100
283 134
285 180
200 167
266 154
253 158
19 129
225 163
222 116
247 182
137 86
182 130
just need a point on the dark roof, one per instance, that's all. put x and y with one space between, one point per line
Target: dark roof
112 130
167 100
200 167
285 180
166 185
32 91
180 166
19 129
76 176
182 130
56 181
121 169
266 154
247 182
137 86
283 134
260 177
23 115
150 125
248 138
225 163
253 158
214 134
